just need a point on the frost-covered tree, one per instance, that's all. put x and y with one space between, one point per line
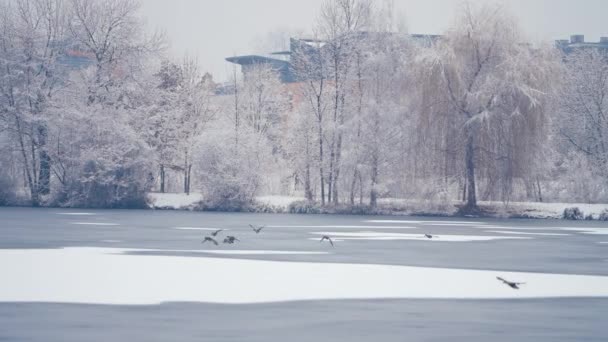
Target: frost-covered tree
385 101
179 109
583 105
196 109
495 85
263 101
32 38
311 68
111 160
340 24
301 149
161 117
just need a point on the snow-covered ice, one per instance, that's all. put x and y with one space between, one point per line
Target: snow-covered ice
590 231
345 226
509 227
526 233
76 214
452 224
198 228
398 236
109 276
95 223
426 222
261 252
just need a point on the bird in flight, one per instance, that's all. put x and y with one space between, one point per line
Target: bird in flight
230 239
511 284
216 232
210 239
325 237
257 229
429 236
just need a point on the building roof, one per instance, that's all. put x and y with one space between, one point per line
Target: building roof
577 41
254 59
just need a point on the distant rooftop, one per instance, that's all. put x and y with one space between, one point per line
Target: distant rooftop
578 41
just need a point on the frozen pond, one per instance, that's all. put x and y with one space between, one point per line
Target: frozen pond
70 274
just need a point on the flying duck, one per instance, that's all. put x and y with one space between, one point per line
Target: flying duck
325 237
511 284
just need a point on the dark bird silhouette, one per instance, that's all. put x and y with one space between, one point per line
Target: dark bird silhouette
230 239
429 236
511 284
325 237
257 229
210 239
216 232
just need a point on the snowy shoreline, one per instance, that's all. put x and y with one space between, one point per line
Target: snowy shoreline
386 207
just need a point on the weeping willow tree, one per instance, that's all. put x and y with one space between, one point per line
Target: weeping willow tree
482 103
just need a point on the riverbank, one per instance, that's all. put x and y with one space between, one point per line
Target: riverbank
394 207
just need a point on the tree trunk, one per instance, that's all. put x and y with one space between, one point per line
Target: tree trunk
471 205
187 170
464 189
321 176
360 189
373 194
236 112
330 177
337 168
30 176
44 175
162 178
353 185
187 174
307 187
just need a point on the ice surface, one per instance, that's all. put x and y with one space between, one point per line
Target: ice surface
590 231
398 236
338 226
95 223
526 233
109 276
76 214
427 222
198 228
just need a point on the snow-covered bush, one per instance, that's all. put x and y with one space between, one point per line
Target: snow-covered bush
304 207
603 215
573 213
229 177
111 166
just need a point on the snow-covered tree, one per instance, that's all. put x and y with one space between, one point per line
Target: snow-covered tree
197 109
583 105
340 24
31 41
495 85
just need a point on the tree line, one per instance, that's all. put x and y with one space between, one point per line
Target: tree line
93 113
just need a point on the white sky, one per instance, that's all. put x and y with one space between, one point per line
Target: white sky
214 29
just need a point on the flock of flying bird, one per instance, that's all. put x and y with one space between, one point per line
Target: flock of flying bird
229 239
257 229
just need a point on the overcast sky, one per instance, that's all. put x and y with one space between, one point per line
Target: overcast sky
214 29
